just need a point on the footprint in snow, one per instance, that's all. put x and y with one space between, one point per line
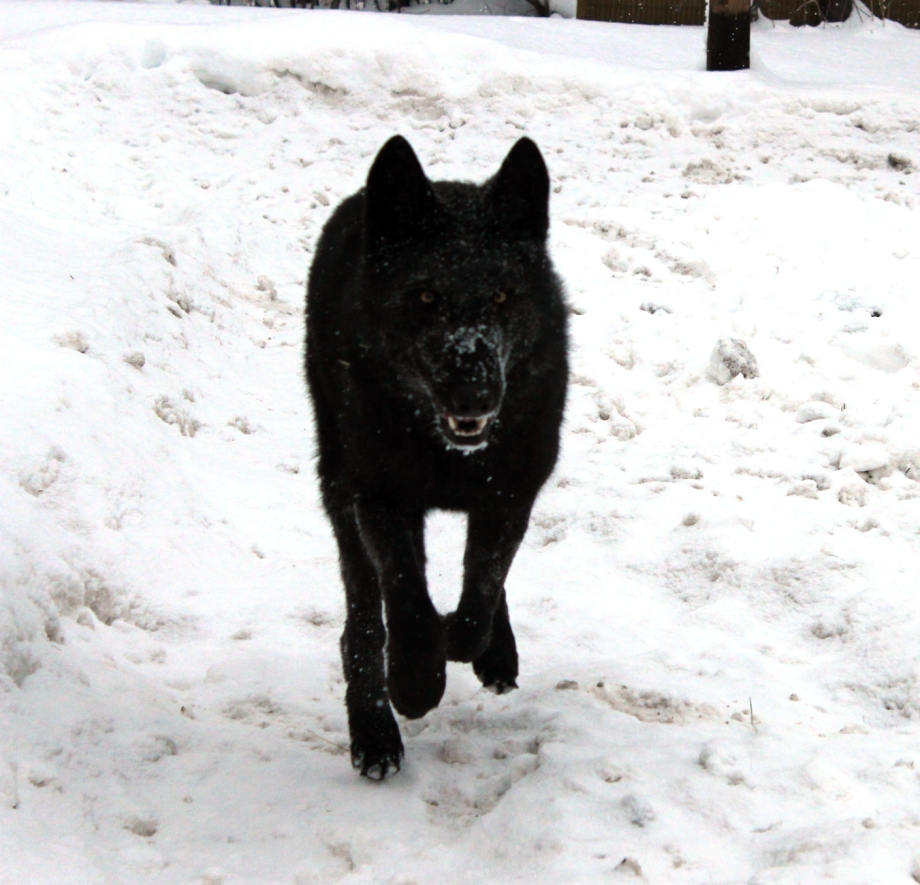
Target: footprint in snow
474 770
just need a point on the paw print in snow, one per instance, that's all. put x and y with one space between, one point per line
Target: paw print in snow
38 481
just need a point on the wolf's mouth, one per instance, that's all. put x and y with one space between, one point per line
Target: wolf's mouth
468 434
467 426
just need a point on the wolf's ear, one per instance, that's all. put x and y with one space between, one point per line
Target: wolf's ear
520 192
398 197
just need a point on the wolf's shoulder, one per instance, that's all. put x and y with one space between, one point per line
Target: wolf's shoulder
343 228
339 250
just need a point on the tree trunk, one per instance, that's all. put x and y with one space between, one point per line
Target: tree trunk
728 43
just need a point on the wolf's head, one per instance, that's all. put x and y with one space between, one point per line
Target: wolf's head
460 287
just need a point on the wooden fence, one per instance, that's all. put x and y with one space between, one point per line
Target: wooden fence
907 12
644 12
692 12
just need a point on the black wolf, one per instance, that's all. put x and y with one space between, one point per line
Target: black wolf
436 358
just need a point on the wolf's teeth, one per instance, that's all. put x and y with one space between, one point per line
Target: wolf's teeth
467 426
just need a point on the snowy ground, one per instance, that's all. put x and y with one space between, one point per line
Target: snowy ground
171 695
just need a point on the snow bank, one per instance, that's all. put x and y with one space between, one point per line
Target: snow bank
715 604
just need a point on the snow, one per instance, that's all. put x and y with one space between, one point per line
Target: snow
716 603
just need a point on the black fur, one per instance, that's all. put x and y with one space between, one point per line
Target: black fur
437 362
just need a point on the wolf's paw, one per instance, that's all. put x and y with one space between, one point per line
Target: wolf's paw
497 668
415 690
376 747
467 639
416 672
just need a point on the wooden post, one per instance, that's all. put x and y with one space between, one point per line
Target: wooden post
728 42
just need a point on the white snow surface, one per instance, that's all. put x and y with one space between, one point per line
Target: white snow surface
170 605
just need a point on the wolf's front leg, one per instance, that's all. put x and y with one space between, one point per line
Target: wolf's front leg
497 666
416 655
376 747
492 540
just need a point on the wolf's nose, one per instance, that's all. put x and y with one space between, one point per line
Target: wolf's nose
471 401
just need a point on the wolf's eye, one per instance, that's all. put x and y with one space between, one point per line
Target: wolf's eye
500 297
426 297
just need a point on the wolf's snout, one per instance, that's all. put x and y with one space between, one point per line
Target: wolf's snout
471 401
466 412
